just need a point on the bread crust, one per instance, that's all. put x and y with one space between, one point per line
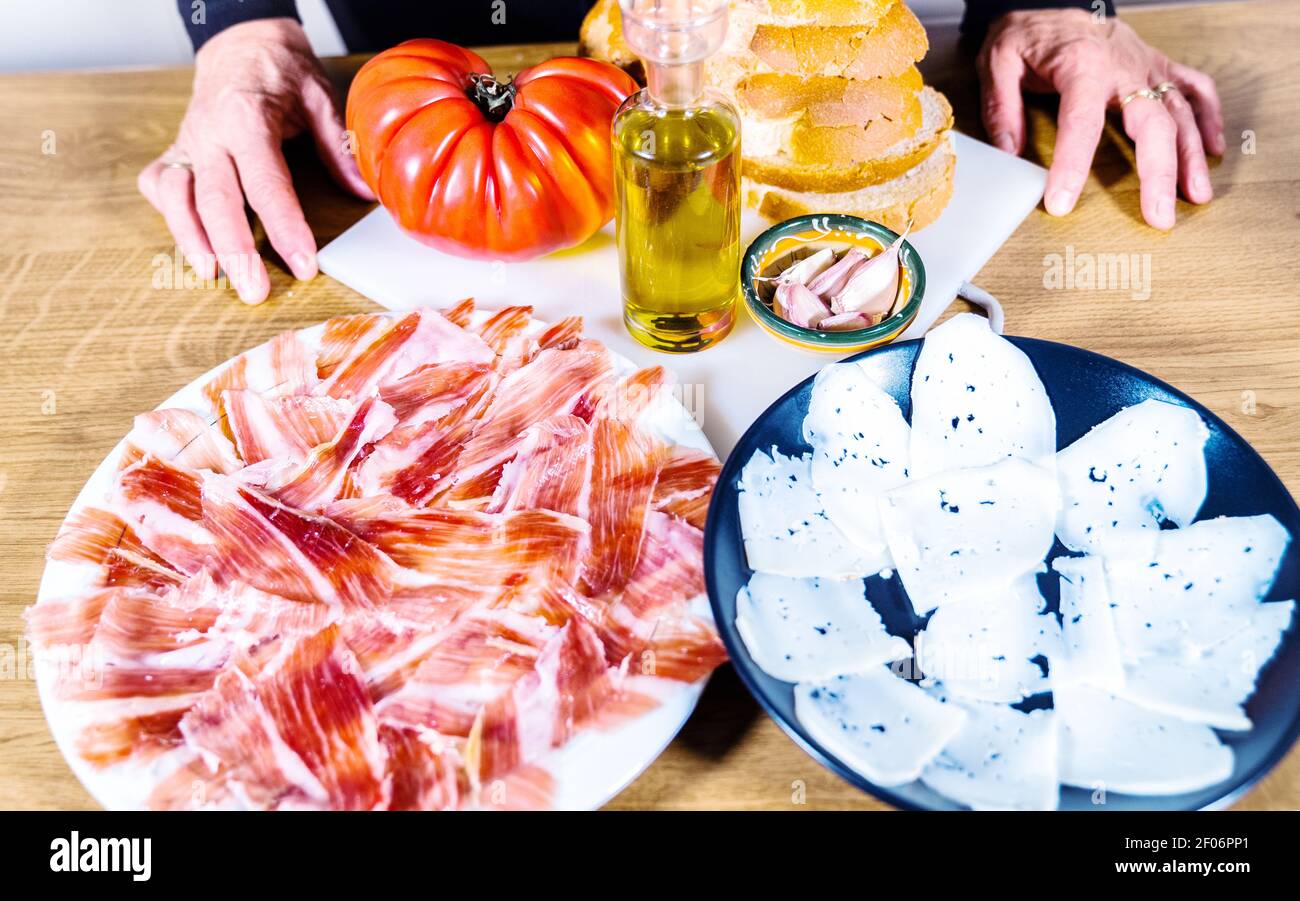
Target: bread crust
832 181
920 205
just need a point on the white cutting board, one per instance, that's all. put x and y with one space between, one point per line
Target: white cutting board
727 386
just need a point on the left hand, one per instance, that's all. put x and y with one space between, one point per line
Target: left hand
1094 64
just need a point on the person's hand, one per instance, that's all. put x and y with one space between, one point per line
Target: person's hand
1094 64
255 84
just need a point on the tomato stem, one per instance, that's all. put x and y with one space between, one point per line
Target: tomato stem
495 98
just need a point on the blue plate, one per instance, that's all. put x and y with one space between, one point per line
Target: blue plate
1085 388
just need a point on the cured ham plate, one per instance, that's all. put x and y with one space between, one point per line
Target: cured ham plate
437 559
1133 745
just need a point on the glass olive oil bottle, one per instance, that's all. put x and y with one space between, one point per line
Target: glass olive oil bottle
677 181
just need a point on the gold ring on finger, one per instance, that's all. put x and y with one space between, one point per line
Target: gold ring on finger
1146 93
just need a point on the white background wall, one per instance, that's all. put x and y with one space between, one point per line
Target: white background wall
82 34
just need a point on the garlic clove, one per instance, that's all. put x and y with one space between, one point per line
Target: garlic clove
872 287
800 306
834 301
844 322
809 267
781 300
831 282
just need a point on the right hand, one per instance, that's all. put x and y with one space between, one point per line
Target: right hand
255 85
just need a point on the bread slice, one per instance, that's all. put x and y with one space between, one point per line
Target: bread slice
888 48
828 101
918 195
601 33
813 12
815 159
601 37
796 140
877 39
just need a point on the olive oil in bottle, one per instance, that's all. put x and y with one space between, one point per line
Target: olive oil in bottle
677 181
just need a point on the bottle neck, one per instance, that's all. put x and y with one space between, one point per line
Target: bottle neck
675 86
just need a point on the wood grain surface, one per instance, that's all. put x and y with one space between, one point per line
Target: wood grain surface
89 339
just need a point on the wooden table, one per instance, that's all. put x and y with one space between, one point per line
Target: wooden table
88 339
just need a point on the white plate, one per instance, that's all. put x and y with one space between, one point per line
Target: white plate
592 768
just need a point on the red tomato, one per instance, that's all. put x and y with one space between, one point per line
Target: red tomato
481 168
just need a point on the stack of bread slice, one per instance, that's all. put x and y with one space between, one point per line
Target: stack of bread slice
835 117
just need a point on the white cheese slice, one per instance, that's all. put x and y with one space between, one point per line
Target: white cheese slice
976 400
1212 686
1002 759
883 727
785 529
802 630
969 532
1089 651
1112 745
984 648
1199 585
1143 465
860 450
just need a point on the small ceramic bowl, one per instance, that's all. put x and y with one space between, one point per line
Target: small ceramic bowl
813 233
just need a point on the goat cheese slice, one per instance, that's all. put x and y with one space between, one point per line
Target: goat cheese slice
989 648
881 726
1212 687
1200 584
785 528
1001 759
1112 745
800 630
969 532
1089 651
1144 465
977 400
860 450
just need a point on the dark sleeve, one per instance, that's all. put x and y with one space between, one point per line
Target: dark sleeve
980 13
204 18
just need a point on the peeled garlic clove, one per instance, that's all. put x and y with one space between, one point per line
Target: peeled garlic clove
844 322
800 306
832 281
810 267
